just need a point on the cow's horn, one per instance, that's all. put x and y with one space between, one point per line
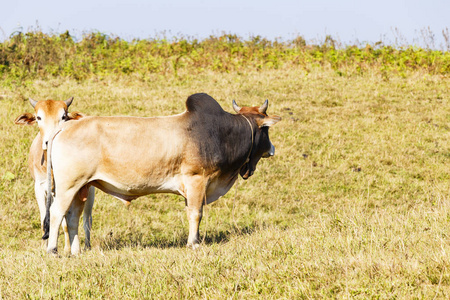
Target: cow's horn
236 107
32 102
68 101
262 109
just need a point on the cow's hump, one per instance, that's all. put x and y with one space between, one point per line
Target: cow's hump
204 104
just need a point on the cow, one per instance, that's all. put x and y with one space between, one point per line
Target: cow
49 115
197 154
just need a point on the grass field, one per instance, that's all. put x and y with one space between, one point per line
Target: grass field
353 205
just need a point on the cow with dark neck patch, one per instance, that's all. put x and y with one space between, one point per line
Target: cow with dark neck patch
198 154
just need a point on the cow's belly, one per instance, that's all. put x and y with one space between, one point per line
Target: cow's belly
132 189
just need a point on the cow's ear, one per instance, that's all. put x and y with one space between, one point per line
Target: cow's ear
75 115
25 119
268 121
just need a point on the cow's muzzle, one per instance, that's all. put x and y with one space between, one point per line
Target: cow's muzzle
270 153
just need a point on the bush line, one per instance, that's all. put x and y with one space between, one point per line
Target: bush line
37 55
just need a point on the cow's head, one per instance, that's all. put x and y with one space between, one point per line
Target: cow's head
262 147
48 114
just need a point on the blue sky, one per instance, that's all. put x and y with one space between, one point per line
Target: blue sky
346 20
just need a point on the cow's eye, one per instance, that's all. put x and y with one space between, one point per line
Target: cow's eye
64 117
38 118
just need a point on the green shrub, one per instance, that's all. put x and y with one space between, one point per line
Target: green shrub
36 54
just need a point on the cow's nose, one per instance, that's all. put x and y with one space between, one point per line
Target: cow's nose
272 150
269 153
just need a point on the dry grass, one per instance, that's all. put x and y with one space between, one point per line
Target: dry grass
353 205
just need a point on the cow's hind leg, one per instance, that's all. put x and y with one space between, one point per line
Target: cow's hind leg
87 217
58 210
83 202
66 236
73 221
195 198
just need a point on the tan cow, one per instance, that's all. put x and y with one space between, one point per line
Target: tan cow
197 154
49 115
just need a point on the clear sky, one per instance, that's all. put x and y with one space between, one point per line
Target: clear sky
347 20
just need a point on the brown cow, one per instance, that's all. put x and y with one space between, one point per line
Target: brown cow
197 154
49 115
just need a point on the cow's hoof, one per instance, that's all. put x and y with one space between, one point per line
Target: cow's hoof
53 252
193 246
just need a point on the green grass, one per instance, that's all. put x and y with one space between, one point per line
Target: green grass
353 205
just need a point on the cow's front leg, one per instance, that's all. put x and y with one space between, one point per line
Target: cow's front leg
41 195
195 197
194 216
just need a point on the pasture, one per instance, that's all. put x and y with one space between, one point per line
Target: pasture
354 204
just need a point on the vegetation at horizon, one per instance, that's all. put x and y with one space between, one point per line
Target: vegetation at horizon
34 54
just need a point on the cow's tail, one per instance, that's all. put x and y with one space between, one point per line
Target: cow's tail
49 198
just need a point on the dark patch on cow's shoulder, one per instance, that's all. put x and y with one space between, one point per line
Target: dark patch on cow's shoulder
203 103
